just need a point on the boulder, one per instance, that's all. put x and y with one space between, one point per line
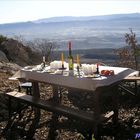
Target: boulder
9 67
3 57
17 53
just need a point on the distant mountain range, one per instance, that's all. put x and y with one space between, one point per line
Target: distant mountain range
103 17
105 31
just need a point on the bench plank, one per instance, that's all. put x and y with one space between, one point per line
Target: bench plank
57 108
133 78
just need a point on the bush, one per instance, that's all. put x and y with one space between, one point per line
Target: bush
2 38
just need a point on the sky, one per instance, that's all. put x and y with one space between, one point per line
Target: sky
29 10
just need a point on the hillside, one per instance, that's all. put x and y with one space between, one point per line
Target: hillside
85 32
103 55
129 113
14 51
87 18
127 127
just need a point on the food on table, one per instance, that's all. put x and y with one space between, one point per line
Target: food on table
107 72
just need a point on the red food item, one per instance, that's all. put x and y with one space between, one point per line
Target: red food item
107 72
102 72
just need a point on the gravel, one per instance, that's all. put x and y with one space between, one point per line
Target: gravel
127 128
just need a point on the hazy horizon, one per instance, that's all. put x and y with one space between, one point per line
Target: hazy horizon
67 16
12 11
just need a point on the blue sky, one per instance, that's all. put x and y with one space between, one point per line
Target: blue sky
28 10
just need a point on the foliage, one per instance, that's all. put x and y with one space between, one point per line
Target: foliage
129 55
27 52
44 47
125 59
2 38
131 41
19 38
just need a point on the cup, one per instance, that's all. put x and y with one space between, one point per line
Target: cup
90 69
94 68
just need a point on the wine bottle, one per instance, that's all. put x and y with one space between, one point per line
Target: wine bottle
70 57
44 61
97 69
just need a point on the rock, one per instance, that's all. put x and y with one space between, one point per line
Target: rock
9 67
3 57
17 53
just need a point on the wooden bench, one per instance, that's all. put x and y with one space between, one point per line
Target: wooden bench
25 85
130 79
57 108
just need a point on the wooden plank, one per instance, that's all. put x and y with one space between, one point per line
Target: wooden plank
55 107
126 90
109 115
132 78
26 84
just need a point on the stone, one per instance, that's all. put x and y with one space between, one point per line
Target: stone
3 57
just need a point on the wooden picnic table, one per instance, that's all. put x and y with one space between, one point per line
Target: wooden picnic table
95 85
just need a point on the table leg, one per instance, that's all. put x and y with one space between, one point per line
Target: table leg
35 87
115 104
52 132
56 94
35 122
136 88
9 108
96 115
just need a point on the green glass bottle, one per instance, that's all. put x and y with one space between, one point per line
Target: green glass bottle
70 57
43 63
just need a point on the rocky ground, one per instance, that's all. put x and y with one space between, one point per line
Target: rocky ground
128 127
6 85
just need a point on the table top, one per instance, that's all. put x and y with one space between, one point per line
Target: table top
78 82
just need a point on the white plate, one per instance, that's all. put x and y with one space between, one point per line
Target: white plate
92 76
